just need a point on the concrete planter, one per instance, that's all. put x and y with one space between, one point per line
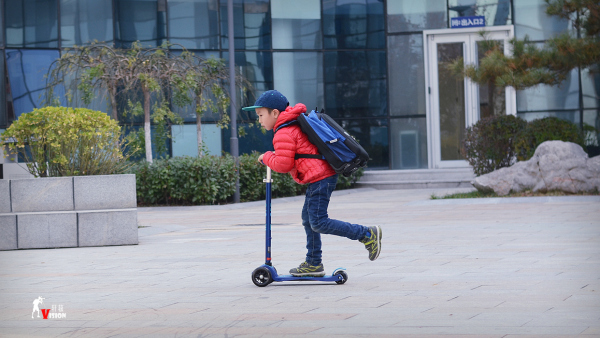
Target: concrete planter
59 212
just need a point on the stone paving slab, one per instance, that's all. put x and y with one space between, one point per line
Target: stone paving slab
508 268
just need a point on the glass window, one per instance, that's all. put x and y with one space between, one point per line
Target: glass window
185 140
492 99
407 75
353 24
83 21
409 15
571 116
140 20
372 134
194 23
531 19
188 113
296 24
299 76
31 23
544 97
409 143
496 12
355 84
590 85
27 69
1 25
252 26
253 140
257 68
4 121
592 137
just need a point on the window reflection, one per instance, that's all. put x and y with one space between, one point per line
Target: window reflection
253 140
590 85
544 97
27 69
299 76
409 143
296 24
194 23
257 68
31 23
355 83
407 75
353 24
4 118
496 12
372 134
140 20
410 15
83 21
531 19
185 139
252 27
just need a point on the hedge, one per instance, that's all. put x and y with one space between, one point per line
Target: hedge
499 141
547 129
211 180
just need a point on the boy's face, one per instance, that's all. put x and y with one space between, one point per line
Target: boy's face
267 120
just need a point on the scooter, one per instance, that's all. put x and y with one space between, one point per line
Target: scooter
267 274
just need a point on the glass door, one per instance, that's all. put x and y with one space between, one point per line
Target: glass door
454 103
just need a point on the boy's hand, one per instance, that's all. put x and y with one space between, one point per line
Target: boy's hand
260 159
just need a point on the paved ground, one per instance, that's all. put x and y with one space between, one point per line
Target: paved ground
485 268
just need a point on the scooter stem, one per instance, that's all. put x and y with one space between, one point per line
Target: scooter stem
268 182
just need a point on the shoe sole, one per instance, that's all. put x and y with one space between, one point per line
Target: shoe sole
309 274
379 232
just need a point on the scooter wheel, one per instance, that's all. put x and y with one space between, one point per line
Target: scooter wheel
343 279
261 277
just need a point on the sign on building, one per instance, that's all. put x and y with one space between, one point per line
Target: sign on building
467 21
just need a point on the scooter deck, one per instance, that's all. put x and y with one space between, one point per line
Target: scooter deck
289 278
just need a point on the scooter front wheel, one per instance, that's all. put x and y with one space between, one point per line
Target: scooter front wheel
261 276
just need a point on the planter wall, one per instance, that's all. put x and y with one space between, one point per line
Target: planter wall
58 212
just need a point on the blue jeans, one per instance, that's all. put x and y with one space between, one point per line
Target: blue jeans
316 221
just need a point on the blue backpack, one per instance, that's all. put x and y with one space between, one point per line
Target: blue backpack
335 145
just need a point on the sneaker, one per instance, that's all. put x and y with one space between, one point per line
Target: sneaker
373 243
306 269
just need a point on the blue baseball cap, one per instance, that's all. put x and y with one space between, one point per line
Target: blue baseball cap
270 99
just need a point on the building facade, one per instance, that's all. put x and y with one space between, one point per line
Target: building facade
375 66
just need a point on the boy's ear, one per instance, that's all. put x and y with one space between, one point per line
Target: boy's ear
276 112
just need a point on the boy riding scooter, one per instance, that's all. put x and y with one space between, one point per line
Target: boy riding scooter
273 110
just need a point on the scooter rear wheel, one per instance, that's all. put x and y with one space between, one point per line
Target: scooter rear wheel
261 277
343 279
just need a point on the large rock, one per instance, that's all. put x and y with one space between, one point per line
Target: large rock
556 165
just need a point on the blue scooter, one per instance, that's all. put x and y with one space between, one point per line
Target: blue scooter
266 273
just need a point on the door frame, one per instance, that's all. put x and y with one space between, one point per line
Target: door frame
469 36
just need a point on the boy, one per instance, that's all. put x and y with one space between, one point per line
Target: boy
273 110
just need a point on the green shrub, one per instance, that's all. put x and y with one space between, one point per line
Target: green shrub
546 129
59 141
489 143
211 180
185 180
348 182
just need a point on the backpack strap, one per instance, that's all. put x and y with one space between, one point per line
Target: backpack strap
289 123
297 156
317 156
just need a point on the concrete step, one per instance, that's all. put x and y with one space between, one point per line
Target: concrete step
417 179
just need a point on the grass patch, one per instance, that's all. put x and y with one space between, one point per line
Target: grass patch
526 193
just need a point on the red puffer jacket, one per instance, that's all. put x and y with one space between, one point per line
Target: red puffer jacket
288 142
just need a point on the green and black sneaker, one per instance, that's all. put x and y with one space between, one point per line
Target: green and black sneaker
307 270
373 243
